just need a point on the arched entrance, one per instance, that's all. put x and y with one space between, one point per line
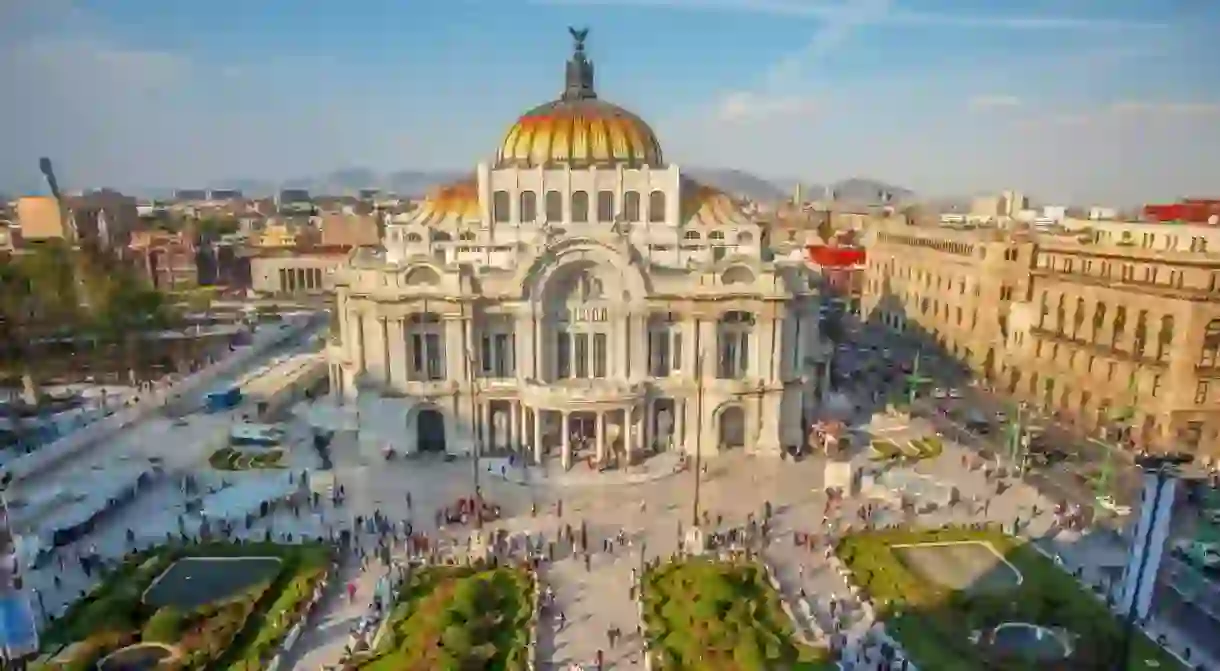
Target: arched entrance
732 428
430 430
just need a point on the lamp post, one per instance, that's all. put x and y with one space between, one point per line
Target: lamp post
474 435
698 437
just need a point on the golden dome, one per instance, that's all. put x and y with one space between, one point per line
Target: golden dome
579 133
578 130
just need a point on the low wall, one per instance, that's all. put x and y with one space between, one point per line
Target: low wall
50 455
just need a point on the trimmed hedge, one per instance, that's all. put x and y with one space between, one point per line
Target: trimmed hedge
933 623
229 459
706 615
235 633
452 618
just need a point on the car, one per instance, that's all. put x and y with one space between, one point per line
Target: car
939 393
1108 503
955 393
182 421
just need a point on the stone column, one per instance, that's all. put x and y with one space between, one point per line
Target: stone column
647 439
489 427
514 427
679 437
565 444
537 435
601 436
628 447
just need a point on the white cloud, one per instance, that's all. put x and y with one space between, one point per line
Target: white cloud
744 106
988 102
827 9
1163 109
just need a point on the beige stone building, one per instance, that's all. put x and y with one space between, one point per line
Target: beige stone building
1111 337
579 298
291 272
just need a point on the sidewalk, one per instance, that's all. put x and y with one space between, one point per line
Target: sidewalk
323 640
592 603
549 474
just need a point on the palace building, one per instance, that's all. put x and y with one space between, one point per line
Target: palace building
1120 338
579 298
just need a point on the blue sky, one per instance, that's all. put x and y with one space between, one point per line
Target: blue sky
1081 100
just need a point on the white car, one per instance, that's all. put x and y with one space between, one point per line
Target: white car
939 393
955 393
1113 506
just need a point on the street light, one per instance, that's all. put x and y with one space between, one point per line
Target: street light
474 435
698 436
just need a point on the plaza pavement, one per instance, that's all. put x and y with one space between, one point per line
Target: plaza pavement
736 486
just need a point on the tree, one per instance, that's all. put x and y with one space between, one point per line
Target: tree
826 230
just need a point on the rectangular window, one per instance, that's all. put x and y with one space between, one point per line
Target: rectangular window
485 355
500 353
658 342
417 353
432 350
581 355
743 355
1201 393
677 352
599 355
728 354
563 356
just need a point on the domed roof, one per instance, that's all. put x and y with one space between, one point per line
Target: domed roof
578 129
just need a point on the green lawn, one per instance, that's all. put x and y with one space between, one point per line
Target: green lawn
933 621
706 615
453 618
236 630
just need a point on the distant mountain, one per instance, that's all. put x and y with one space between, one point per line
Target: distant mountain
868 191
739 183
414 183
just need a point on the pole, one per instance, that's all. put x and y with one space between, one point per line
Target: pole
474 424
698 436
1162 477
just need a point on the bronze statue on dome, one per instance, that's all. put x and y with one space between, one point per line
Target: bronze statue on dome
579 35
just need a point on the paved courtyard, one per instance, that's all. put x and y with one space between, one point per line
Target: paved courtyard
650 508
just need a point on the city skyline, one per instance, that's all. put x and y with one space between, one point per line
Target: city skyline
1082 103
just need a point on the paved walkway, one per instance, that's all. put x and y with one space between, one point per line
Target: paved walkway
552 474
323 641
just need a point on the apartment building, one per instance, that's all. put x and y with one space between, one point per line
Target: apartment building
1119 339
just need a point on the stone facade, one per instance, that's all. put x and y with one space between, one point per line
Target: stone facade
581 301
1120 340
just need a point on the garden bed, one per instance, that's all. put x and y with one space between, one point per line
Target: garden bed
706 615
885 450
457 617
229 459
933 618
258 592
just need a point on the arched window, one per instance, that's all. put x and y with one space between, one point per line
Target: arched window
716 235
580 207
1120 326
414 237
1078 318
691 235
1210 356
441 236
466 236
631 206
1061 315
656 207
1164 339
554 206
528 206
605 206
1099 320
501 210
1043 309
1141 333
